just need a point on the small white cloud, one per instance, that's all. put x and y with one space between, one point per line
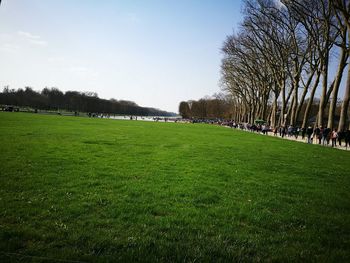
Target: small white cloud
32 39
28 35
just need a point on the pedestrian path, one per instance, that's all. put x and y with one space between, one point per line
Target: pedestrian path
299 139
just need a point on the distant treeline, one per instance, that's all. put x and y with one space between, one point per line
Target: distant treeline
54 99
214 107
222 106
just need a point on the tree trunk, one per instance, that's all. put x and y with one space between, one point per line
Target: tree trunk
287 117
345 104
258 110
273 112
341 66
302 99
325 62
265 106
311 99
252 113
287 114
295 100
283 109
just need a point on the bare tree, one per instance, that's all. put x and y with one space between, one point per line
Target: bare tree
274 65
342 9
340 26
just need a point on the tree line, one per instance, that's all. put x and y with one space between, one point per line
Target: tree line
279 60
217 106
223 107
55 100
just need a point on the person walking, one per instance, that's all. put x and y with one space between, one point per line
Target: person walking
334 136
341 135
296 132
329 135
317 132
326 135
347 139
309 133
303 131
283 131
319 137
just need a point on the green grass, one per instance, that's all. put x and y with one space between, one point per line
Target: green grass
104 190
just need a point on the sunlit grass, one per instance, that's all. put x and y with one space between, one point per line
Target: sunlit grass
95 189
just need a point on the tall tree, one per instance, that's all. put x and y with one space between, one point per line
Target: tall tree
342 44
342 8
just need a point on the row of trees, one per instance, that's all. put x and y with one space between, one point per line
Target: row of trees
280 58
217 106
222 106
56 100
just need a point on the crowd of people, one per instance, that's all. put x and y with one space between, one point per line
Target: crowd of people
320 135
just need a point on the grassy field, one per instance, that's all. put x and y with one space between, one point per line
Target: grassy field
104 190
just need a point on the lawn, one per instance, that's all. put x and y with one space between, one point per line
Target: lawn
83 189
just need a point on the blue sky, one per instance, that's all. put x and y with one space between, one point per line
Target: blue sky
156 53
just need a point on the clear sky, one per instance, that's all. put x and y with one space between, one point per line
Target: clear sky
156 53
